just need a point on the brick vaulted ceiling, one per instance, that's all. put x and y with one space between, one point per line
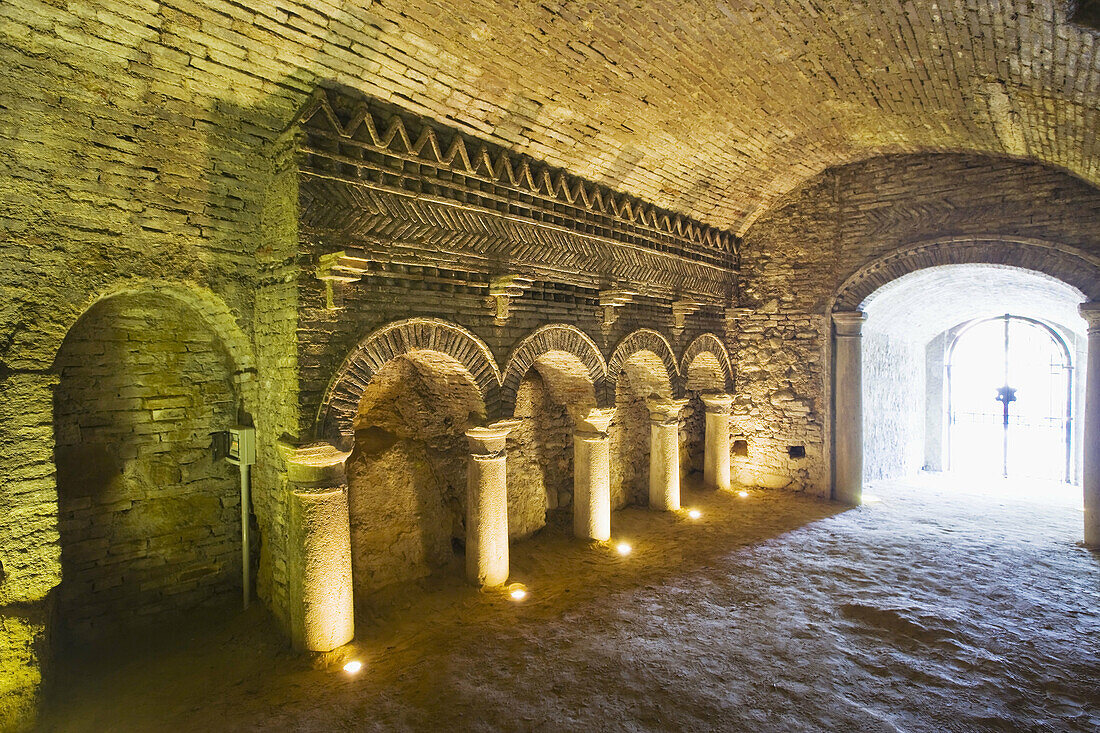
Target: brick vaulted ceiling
716 108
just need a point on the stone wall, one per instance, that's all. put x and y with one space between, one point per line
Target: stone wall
893 406
149 520
629 435
540 458
778 406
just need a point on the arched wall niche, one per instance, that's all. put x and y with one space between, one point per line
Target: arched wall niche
705 368
556 387
649 342
556 341
705 365
407 469
149 519
637 374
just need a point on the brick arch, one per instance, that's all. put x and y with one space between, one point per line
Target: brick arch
554 337
644 339
210 308
707 343
208 305
1071 266
400 338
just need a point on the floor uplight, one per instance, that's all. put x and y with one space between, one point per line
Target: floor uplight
518 594
743 494
353 667
623 548
695 514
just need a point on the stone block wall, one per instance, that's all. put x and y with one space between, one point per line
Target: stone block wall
893 406
540 458
149 521
780 400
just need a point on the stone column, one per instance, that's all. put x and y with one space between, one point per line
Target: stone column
848 407
664 454
1090 480
487 506
319 557
592 475
716 442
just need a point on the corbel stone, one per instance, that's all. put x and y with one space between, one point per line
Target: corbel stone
501 292
336 270
610 301
681 309
733 317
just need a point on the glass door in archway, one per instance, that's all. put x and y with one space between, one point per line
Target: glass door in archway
1009 396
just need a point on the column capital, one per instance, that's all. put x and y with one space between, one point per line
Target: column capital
314 464
665 412
488 441
1090 311
716 402
592 420
848 323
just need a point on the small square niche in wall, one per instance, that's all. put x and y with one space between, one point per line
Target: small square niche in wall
740 447
796 451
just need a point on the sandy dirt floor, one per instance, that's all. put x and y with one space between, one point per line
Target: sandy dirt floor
933 609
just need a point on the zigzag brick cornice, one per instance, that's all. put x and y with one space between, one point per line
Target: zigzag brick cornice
391 148
388 226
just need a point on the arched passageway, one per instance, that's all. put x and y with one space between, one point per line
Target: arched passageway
892 385
407 472
149 518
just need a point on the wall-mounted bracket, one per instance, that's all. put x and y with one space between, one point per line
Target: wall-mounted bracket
734 316
681 309
336 270
610 301
501 292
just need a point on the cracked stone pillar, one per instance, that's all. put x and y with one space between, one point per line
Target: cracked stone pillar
487 506
716 442
1091 475
592 475
321 609
664 454
848 410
